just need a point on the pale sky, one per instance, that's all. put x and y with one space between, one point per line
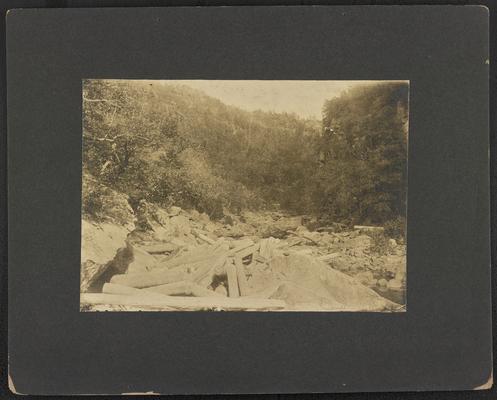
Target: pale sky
304 98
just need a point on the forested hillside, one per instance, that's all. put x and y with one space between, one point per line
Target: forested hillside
173 145
193 204
364 145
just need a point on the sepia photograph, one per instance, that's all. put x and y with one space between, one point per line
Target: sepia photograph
244 195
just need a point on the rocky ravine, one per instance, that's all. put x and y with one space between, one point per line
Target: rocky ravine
157 259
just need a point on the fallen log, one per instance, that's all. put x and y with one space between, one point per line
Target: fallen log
262 247
336 227
234 243
328 257
265 293
221 243
205 268
241 246
366 228
309 238
267 246
159 248
248 251
113 288
208 279
233 290
147 279
202 253
242 279
259 258
152 300
164 276
296 242
142 261
183 288
266 249
203 237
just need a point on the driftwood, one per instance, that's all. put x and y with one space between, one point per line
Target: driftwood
149 300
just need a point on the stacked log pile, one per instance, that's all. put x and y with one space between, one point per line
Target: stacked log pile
211 276
183 261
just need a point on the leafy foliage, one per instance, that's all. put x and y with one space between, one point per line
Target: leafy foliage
364 172
170 144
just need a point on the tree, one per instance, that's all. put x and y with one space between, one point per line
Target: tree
363 177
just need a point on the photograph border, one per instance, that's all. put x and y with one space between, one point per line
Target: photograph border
445 341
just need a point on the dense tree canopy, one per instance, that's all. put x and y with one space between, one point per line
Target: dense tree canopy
365 154
171 144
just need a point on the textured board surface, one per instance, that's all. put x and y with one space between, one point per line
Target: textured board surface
442 342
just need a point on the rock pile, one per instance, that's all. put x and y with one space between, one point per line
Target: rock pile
181 260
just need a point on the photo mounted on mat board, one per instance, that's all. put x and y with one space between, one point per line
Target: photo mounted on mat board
244 195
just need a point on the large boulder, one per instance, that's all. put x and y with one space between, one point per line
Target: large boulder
107 221
280 227
301 298
343 292
100 244
238 230
164 225
179 226
102 204
366 278
141 261
288 223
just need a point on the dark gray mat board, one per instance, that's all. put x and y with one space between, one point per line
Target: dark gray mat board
442 342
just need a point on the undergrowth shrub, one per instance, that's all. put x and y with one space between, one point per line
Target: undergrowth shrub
379 243
396 228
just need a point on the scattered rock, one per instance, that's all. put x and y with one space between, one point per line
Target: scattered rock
99 245
366 278
141 262
327 283
173 210
382 282
394 284
159 248
221 289
228 220
299 298
105 205
365 229
279 257
194 215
